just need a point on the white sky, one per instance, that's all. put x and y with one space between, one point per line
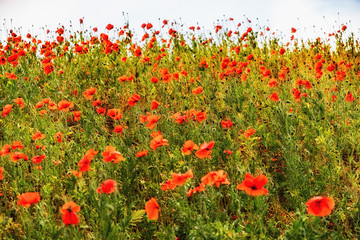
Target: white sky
277 14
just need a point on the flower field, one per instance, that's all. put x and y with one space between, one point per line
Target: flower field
179 134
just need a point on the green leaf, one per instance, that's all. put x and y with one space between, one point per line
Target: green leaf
136 217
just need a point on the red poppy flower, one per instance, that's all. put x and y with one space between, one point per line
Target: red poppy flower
17 144
274 97
28 198
20 101
84 163
38 135
111 155
177 180
58 137
205 150
68 211
254 186
77 115
89 93
320 206
133 99
109 26
197 90
154 79
16 156
188 147
6 149
109 186
38 159
349 97
215 177
200 116
6 110
154 104
114 114
249 132
142 153
118 129
158 141
1 173
65 105
152 209
227 124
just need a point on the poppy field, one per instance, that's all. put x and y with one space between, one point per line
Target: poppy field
179 133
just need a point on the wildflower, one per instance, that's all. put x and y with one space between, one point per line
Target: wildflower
118 129
349 97
188 147
109 186
199 188
38 135
249 132
158 141
197 90
20 101
133 99
84 163
110 155
154 104
254 186
227 124
68 211
152 209
17 144
89 93
177 180
28 198
274 97
5 150
38 159
114 114
320 206
16 156
6 110
142 153
205 150
215 177
65 105
58 137
77 115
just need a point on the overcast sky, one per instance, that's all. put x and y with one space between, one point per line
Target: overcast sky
277 14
